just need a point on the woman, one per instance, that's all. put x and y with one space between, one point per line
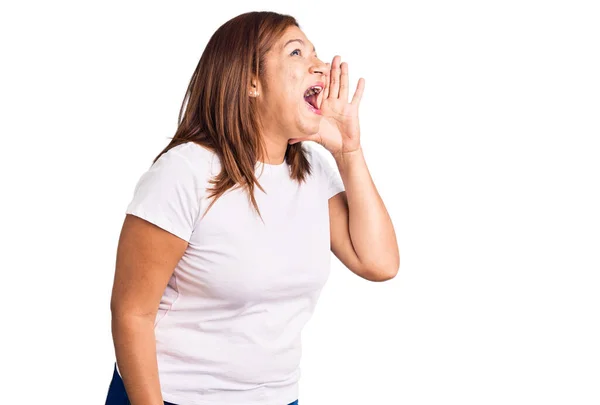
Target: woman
214 279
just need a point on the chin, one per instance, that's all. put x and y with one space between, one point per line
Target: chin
307 123
312 123
306 129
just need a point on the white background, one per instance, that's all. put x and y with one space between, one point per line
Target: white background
480 126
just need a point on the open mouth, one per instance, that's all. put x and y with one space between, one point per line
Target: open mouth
311 97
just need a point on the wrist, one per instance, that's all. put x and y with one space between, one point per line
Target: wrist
343 156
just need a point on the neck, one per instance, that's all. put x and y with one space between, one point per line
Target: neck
276 145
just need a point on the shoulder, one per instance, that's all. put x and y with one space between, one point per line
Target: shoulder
313 156
318 159
185 168
170 193
191 152
188 159
324 169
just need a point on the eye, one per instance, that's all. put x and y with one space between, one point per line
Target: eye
295 51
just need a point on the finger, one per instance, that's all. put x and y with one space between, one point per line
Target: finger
344 81
334 90
328 74
360 88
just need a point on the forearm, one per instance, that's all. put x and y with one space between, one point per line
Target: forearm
370 225
135 349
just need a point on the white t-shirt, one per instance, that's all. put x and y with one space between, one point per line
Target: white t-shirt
229 321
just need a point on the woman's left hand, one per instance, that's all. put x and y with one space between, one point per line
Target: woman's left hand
339 131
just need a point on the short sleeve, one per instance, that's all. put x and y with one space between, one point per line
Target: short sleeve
167 195
331 175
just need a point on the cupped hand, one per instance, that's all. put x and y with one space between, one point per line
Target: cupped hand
339 131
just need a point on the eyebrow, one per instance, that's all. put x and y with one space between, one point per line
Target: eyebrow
299 40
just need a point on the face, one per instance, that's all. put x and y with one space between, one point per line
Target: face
292 68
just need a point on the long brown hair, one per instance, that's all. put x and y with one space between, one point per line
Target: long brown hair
221 116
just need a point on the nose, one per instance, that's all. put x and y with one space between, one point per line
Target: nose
319 67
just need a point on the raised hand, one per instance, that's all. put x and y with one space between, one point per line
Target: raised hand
339 131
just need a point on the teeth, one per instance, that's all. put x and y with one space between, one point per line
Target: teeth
313 90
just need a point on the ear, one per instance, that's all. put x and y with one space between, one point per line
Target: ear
254 90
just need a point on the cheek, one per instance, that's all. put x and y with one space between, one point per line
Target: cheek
293 80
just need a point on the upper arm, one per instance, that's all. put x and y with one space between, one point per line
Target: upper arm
146 258
160 220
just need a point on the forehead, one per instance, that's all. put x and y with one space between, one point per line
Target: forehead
294 33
